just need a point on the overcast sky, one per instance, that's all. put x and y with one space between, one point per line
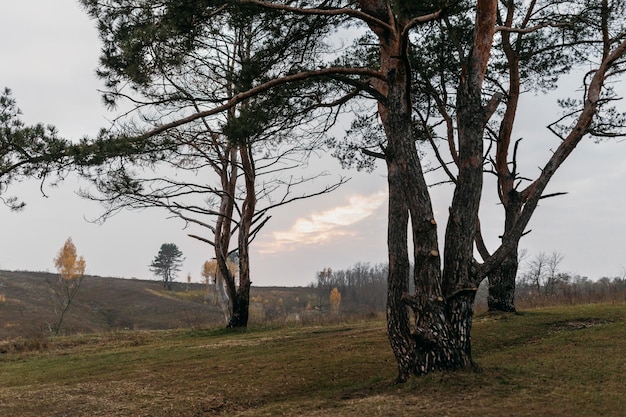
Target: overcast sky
49 53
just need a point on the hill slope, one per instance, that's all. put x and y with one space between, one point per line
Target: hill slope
104 304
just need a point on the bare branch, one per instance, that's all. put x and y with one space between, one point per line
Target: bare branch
532 28
553 195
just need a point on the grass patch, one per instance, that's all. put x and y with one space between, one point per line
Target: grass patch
554 361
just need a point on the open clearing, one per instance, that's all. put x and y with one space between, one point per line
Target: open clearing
566 361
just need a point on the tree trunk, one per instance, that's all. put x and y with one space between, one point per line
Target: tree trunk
502 279
434 343
223 226
502 284
241 299
240 307
440 339
461 272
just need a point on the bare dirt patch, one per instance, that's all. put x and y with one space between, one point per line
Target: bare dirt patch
584 323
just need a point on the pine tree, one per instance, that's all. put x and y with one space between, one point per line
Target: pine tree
167 263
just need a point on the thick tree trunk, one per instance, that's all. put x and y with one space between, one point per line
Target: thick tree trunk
240 307
502 284
434 343
398 324
460 274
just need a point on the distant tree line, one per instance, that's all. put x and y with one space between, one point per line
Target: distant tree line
540 282
363 287
573 289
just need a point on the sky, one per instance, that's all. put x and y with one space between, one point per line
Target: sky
49 54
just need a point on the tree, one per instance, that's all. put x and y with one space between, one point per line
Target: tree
71 268
536 44
323 278
540 42
429 329
542 273
208 272
335 301
188 72
167 263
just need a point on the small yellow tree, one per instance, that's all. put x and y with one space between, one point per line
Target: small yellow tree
209 273
71 268
335 301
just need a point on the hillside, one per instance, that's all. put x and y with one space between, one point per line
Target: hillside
558 362
105 304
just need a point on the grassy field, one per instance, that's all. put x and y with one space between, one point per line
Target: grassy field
567 361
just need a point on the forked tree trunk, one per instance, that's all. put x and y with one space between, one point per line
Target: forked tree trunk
440 338
428 342
241 298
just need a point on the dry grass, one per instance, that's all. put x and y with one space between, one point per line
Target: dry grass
549 362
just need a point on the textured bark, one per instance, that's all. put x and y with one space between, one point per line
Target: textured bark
439 339
501 295
241 298
240 307
502 279
460 273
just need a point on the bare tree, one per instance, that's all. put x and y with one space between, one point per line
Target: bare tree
542 273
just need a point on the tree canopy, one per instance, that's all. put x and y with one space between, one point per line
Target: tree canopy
167 263
429 327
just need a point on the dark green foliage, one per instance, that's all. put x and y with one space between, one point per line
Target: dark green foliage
25 151
408 9
167 263
144 41
608 123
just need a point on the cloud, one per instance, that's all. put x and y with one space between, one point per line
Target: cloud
321 227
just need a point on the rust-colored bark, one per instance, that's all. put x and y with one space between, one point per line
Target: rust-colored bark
440 335
520 205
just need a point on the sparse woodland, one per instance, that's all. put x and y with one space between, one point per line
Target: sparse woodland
246 89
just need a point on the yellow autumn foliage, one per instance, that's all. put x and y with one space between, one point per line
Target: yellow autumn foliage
69 265
335 301
209 270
